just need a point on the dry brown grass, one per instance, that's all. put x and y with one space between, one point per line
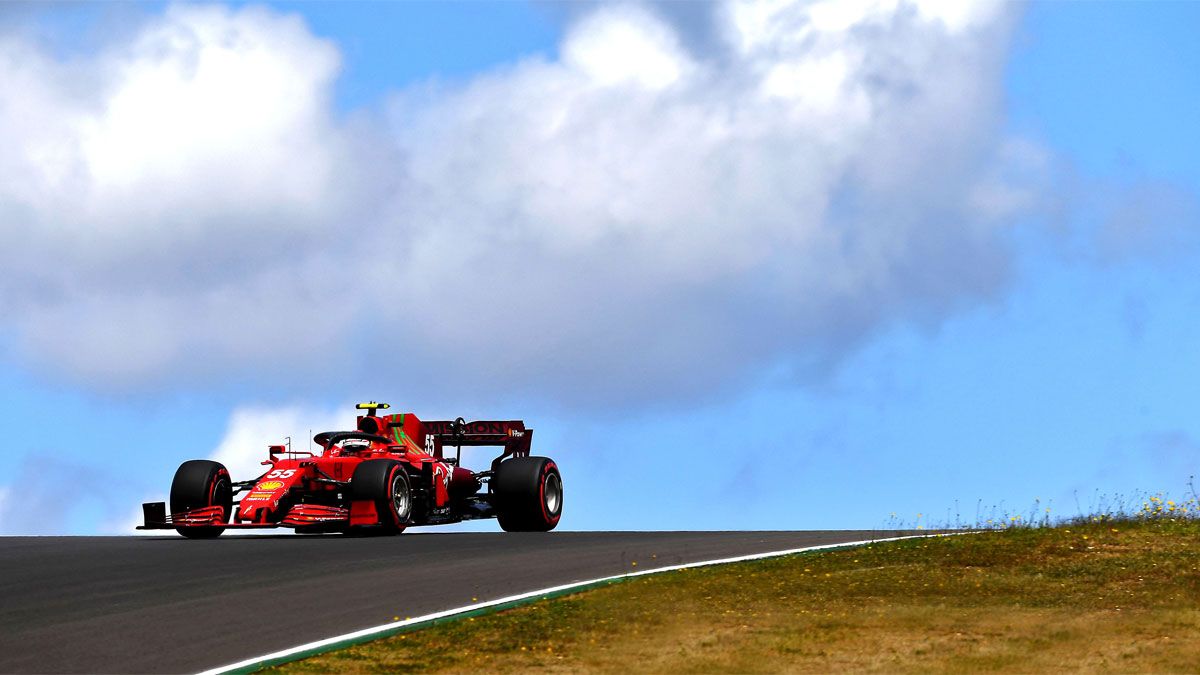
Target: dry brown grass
1121 597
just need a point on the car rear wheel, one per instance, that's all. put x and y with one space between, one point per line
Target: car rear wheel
528 494
385 483
199 483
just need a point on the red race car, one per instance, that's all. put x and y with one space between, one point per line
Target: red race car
389 473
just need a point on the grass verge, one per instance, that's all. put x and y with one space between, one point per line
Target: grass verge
1101 596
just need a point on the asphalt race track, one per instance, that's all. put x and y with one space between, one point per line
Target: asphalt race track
166 604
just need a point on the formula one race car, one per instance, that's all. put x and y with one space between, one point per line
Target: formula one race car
389 473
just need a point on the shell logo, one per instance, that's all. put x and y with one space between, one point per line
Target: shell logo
269 485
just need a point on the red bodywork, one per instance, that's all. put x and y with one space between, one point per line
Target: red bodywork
312 491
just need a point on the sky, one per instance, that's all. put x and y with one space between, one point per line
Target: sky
740 265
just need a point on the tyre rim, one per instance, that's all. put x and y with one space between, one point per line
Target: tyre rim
400 500
553 493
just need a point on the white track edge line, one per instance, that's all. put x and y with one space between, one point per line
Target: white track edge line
392 625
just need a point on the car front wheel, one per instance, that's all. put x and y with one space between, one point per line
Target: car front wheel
200 483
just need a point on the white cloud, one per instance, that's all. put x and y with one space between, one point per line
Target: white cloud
625 45
175 197
208 120
633 222
778 201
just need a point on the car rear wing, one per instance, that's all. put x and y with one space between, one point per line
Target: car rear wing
509 434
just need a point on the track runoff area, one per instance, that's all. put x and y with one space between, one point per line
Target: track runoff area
475 609
171 605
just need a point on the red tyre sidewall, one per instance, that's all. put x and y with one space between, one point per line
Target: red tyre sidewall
212 489
546 469
389 510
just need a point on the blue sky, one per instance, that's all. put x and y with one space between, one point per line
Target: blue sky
690 368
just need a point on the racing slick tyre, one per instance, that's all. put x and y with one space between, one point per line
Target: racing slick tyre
384 482
527 494
199 483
